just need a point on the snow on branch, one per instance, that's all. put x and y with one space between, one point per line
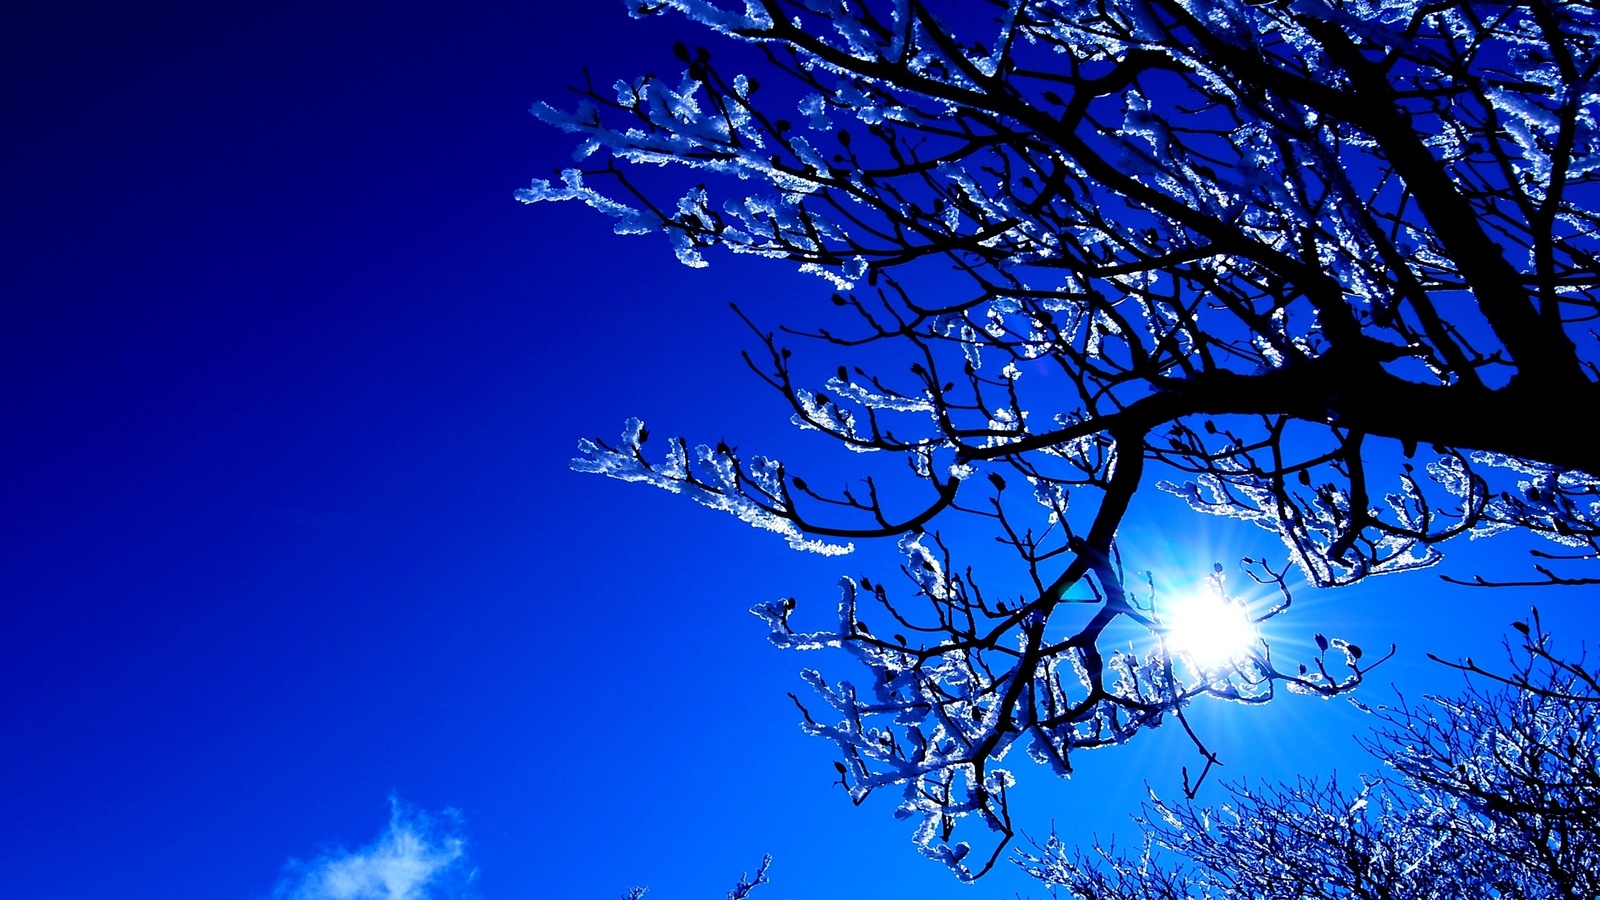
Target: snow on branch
1328 268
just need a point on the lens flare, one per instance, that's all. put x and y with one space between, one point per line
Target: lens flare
1209 630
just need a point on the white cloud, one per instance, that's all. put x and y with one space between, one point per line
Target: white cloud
418 858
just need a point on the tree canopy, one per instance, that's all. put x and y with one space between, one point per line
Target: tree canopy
1327 267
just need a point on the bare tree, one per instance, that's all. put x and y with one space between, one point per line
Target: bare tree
1492 793
1327 265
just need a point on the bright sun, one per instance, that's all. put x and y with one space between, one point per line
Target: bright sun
1209 629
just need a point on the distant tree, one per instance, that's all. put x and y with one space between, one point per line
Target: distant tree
1328 265
1492 793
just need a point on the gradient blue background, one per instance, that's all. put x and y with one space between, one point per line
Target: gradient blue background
290 384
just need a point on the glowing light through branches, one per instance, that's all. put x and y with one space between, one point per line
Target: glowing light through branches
1209 628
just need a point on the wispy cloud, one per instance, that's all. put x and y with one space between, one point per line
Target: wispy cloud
420 857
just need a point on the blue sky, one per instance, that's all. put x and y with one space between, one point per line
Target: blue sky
291 383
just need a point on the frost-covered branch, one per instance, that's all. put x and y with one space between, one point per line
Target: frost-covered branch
1328 268
1489 793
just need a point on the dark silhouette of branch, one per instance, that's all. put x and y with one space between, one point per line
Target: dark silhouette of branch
1328 271
1489 793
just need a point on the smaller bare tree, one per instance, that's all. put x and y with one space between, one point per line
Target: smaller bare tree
1492 793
